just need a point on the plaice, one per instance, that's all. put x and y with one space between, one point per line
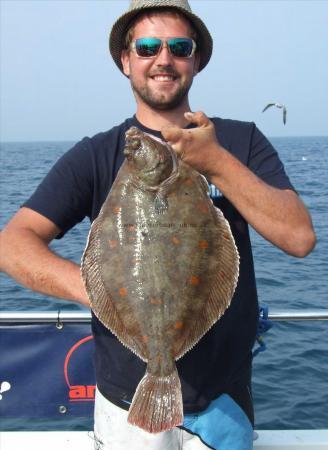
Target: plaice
160 268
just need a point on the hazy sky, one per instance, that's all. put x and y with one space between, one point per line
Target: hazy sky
58 81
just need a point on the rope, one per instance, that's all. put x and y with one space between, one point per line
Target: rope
264 324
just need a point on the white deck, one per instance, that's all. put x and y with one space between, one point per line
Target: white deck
82 440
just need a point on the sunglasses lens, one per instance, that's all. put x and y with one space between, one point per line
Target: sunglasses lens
180 47
147 47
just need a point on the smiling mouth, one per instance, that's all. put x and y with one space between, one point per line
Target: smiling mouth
163 77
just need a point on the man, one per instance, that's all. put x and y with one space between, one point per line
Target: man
161 50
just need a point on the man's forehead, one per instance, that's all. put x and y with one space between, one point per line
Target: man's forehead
153 19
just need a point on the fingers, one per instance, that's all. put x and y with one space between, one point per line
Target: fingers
199 118
171 134
182 140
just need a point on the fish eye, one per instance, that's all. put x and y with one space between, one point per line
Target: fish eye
135 144
127 153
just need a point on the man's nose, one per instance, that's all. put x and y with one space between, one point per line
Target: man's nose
164 56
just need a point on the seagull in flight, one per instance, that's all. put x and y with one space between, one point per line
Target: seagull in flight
278 105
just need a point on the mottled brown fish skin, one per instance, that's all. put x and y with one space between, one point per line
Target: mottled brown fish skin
159 279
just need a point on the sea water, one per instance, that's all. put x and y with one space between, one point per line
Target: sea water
290 382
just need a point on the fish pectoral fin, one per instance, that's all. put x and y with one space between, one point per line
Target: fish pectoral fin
161 204
157 403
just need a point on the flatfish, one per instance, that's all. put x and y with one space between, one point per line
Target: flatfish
160 268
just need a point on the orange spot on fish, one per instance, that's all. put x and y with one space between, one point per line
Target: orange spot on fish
132 238
156 301
188 182
117 209
135 261
123 292
175 240
222 274
112 243
145 338
178 325
226 236
203 244
194 280
203 207
132 228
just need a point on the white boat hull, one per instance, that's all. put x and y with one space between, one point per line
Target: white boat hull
83 440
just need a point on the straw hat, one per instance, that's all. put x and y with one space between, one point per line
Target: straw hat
117 35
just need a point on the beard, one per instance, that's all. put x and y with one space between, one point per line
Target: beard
158 100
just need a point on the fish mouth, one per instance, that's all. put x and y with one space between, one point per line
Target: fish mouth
133 134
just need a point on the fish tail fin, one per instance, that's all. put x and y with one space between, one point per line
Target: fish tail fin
157 403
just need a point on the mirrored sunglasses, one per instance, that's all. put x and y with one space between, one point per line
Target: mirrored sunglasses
150 47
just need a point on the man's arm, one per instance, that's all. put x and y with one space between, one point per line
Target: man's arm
278 215
25 256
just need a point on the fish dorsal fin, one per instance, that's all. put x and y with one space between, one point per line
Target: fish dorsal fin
224 282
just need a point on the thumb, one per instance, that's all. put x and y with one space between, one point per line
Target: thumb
171 134
199 118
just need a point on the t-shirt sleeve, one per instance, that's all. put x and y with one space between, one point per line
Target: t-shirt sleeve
65 194
264 161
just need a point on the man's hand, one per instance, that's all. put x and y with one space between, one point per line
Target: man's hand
197 147
278 215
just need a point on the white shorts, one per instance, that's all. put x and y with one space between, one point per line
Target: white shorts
113 432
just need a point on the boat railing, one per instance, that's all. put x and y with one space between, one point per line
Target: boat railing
60 363
85 316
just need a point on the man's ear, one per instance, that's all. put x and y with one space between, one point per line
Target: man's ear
125 60
196 63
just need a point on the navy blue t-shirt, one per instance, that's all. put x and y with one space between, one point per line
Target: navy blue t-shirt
78 185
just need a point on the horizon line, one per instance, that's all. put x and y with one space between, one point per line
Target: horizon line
21 141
